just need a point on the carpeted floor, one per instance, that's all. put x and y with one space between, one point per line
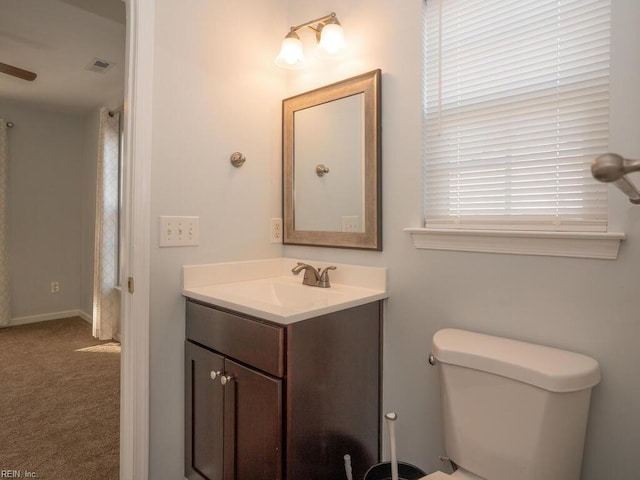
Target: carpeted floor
59 401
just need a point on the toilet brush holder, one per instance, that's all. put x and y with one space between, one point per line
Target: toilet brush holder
393 470
382 471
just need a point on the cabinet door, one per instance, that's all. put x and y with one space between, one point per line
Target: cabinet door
203 414
253 424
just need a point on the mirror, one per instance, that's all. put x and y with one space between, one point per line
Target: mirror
331 165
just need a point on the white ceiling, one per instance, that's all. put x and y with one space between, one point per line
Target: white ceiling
58 39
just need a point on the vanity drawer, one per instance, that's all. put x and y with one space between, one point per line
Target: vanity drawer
249 341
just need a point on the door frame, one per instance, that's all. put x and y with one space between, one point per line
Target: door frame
134 378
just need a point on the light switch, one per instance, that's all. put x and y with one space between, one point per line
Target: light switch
179 231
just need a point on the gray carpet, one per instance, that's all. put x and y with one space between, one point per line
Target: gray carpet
59 401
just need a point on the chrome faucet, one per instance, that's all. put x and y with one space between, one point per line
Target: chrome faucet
312 276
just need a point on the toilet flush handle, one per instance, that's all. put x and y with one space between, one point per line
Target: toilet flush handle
432 359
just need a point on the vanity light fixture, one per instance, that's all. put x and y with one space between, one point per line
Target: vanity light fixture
329 36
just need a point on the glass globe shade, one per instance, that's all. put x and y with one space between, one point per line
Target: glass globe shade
332 39
291 54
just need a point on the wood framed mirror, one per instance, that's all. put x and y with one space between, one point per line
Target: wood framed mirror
331 146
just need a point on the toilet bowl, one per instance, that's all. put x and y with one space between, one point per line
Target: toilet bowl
506 404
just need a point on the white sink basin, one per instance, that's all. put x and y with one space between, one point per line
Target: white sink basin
281 292
281 298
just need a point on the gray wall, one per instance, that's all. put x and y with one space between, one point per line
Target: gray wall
44 209
210 102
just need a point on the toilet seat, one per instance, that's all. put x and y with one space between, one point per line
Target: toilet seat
459 474
437 476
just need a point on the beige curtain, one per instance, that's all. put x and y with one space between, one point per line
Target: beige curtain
5 306
106 295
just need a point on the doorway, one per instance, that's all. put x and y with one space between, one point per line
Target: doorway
53 31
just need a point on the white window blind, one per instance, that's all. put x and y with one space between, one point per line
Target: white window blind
516 107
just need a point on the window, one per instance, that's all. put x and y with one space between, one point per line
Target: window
516 107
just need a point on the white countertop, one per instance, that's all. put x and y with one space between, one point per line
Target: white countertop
267 289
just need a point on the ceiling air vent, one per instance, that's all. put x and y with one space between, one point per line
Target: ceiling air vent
99 65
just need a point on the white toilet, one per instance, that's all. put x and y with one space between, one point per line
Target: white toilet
512 410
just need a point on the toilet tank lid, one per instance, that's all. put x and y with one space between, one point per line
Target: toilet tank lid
545 367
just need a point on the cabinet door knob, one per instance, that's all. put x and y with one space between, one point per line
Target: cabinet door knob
224 379
214 375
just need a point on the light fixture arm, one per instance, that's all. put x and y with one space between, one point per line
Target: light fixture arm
320 21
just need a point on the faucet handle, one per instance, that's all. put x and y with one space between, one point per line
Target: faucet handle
324 277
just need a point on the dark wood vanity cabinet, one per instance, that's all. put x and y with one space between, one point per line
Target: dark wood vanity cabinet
281 402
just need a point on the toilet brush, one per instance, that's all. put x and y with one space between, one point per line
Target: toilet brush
391 424
347 466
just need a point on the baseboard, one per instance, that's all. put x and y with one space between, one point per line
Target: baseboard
49 316
85 316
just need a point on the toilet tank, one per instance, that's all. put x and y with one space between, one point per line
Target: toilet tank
513 410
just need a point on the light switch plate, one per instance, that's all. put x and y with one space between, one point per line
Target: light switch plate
179 231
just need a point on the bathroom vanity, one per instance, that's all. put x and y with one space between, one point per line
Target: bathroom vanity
281 380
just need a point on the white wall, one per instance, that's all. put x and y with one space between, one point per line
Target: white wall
589 306
216 92
44 197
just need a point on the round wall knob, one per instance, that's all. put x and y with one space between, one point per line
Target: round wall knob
237 159
214 375
226 379
321 170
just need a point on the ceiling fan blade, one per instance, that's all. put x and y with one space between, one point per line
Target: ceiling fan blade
17 72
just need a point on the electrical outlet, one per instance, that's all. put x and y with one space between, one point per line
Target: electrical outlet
179 231
276 230
55 287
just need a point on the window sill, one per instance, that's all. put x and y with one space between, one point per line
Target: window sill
556 244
